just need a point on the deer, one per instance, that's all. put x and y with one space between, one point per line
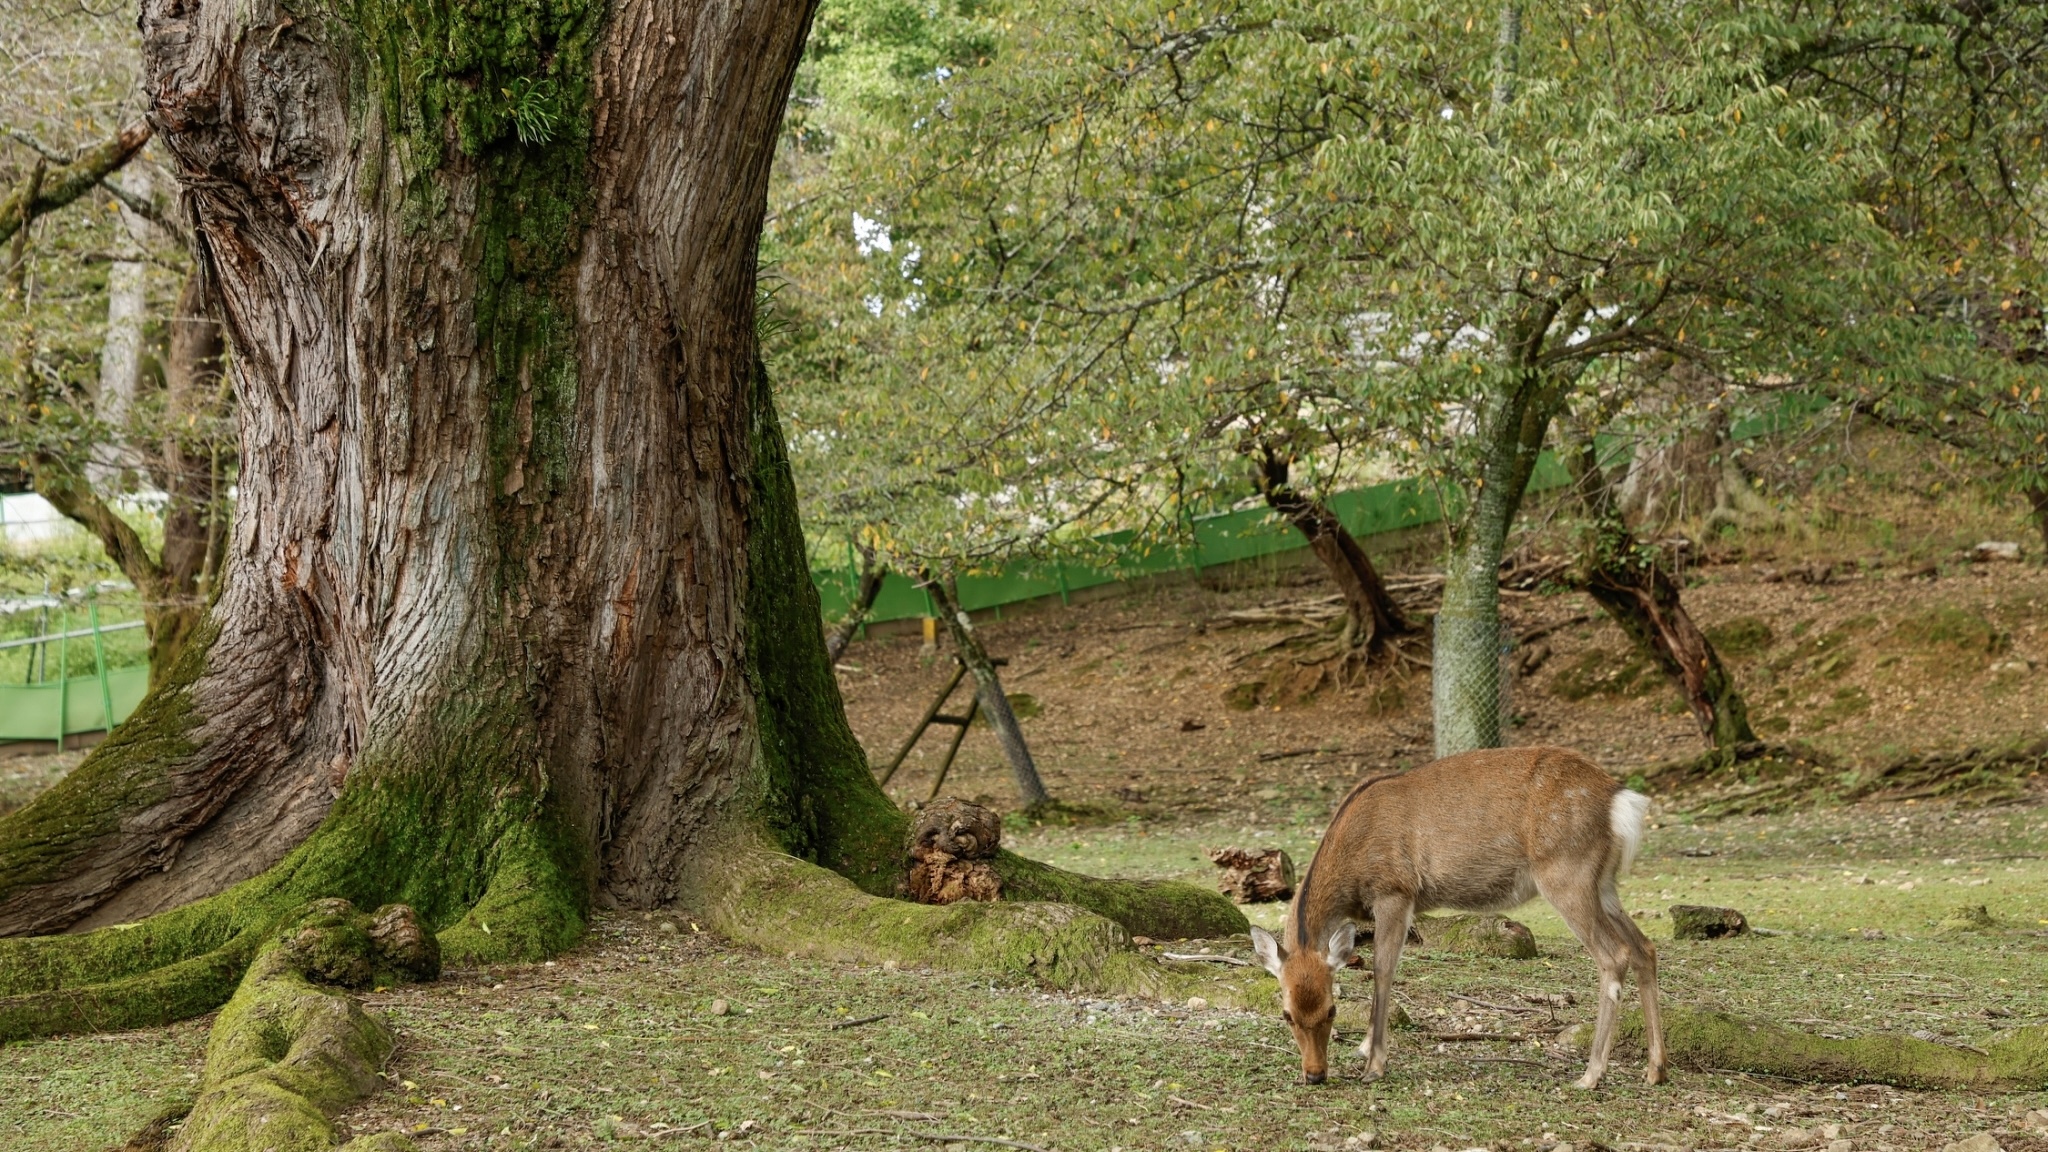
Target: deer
1479 832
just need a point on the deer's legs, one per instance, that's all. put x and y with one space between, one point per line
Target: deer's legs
1390 915
1583 905
1643 957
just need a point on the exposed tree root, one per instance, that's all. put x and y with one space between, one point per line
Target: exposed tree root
779 903
287 1053
1717 1041
188 961
1757 778
1163 910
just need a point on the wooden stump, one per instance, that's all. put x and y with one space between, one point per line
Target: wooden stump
951 844
1254 877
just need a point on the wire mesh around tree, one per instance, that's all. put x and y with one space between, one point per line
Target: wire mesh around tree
1470 689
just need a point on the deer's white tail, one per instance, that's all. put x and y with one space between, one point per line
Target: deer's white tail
1625 817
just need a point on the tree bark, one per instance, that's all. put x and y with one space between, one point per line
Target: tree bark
870 585
2037 504
1642 596
487 577
989 690
1465 677
1372 619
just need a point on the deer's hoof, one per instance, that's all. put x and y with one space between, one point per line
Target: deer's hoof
1589 1081
1656 1075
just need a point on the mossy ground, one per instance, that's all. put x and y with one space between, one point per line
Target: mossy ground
617 1040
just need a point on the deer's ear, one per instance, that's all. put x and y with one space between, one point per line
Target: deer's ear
1343 944
1267 950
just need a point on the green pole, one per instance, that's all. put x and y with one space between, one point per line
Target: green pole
63 678
1059 572
99 659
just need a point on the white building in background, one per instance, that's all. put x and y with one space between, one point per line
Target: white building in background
26 519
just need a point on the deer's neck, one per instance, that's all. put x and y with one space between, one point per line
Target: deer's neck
1325 893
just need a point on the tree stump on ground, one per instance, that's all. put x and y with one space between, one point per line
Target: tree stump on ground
951 844
1698 922
1254 877
1479 936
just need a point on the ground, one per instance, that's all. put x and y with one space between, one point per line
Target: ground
622 1039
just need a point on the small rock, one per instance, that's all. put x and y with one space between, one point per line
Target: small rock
1968 918
2038 1119
666 926
1991 550
1981 1142
888 965
1873 934
1363 1140
720 1008
1142 941
1791 1138
1700 922
1197 1002
1840 1146
1191 1138
1831 1131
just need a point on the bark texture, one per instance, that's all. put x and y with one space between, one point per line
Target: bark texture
493 365
1372 619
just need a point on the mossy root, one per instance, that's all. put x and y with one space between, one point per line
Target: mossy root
532 908
778 903
1717 1041
290 1050
174 992
1161 909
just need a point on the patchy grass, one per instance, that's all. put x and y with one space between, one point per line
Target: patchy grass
621 1040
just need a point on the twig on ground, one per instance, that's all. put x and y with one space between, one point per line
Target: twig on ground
834 1027
1463 1037
1492 1005
1505 1060
1291 753
1207 957
936 1137
899 1114
1190 1103
685 1130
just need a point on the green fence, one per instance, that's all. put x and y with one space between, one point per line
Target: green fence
51 708
1224 538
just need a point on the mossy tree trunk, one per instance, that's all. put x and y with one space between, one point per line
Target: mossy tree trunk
1372 619
1630 581
494 366
1512 421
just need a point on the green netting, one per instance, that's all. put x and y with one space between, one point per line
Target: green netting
29 711
1226 537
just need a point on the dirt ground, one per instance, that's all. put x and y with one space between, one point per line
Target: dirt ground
1143 704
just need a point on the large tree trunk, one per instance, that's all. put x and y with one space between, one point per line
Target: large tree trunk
487 570
1372 619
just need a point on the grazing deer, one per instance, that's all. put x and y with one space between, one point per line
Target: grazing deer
1481 832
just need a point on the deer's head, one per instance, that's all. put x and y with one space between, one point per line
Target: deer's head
1308 992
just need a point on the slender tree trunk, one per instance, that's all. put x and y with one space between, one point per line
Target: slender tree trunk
121 352
870 585
1643 597
989 690
2037 501
1372 619
1465 678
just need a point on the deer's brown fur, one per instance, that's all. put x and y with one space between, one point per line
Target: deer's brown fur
1480 832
